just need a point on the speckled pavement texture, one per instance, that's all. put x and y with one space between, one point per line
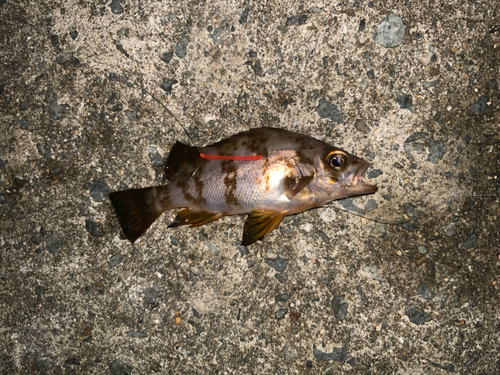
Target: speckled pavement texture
328 292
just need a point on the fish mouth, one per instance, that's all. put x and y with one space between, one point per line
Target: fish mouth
358 183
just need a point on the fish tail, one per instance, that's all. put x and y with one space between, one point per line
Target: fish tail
137 209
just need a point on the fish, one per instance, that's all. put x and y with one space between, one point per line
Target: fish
264 173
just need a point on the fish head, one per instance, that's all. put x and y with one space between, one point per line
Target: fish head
339 174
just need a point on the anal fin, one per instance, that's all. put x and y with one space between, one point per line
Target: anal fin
194 218
259 223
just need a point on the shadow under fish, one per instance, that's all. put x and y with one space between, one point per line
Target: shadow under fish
293 173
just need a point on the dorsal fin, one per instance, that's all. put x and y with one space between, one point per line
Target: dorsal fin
179 157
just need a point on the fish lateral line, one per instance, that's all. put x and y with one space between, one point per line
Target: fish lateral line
231 157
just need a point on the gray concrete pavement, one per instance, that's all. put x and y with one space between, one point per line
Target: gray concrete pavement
328 292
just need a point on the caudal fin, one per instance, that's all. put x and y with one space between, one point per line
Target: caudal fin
136 209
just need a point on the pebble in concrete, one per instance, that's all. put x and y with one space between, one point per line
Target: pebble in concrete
280 314
44 150
326 109
136 335
53 243
181 48
479 107
362 126
99 190
390 31
166 57
416 315
449 229
339 305
278 263
93 228
424 292
337 355
471 242
118 367
116 7
116 260
155 157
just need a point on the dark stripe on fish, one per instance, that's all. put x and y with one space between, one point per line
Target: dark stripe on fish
230 171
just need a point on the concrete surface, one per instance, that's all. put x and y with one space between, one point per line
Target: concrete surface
328 292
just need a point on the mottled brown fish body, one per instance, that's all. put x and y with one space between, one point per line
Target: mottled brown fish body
296 173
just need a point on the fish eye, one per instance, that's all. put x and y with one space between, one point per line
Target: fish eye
336 159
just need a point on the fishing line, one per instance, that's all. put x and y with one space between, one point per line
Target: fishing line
169 112
259 157
367 218
202 155
246 158
394 222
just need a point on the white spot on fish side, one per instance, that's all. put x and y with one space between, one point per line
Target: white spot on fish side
328 215
276 176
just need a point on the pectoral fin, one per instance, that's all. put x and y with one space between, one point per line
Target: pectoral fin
258 224
293 185
193 218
